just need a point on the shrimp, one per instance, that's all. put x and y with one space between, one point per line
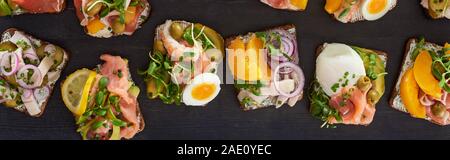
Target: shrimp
176 49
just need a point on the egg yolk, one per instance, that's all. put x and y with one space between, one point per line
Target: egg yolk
377 6
203 91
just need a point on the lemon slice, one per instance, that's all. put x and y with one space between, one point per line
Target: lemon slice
75 90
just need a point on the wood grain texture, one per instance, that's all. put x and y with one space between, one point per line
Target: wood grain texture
223 119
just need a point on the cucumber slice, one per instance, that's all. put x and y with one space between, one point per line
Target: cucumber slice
7 46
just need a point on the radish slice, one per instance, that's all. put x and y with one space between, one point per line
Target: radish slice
9 63
296 71
287 47
29 77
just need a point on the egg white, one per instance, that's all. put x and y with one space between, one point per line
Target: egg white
198 80
371 17
332 64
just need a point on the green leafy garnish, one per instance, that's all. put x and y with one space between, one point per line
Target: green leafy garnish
4 8
441 67
158 72
320 107
110 5
249 86
194 35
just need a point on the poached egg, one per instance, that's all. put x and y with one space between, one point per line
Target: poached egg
338 66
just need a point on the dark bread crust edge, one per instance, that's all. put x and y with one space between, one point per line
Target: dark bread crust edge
396 92
283 27
44 105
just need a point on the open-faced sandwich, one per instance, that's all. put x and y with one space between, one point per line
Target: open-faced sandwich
265 70
423 86
348 84
293 5
184 64
107 18
351 11
104 100
16 7
437 8
29 69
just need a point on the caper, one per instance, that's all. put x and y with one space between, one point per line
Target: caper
438 110
93 10
159 46
7 46
176 31
118 27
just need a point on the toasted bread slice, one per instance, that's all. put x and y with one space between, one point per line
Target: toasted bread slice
51 81
272 100
107 31
382 55
395 101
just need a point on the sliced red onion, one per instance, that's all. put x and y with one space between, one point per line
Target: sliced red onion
32 57
10 60
295 70
36 78
287 47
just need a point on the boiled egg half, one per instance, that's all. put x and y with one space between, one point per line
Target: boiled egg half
201 90
338 66
375 9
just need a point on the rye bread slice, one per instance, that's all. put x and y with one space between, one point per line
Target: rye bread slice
288 27
382 55
60 68
142 19
138 109
395 100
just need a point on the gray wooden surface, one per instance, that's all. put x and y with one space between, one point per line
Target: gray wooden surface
223 119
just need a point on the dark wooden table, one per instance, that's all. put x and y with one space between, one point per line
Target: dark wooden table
223 119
